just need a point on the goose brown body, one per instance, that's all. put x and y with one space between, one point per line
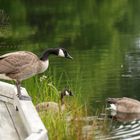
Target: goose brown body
53 106
126 105
50 106
20 65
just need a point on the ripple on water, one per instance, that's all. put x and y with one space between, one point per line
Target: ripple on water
128 127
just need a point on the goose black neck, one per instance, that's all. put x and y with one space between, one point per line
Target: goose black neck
48 53
62 99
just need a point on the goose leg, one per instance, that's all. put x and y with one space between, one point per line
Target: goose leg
21 97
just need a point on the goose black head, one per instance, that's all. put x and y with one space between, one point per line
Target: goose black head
66 92
62 52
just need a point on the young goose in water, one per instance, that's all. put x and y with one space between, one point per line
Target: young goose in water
125 105
53 106
21 65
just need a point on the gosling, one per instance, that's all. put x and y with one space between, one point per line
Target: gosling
22 65
53 106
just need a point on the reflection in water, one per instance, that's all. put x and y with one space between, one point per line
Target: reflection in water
122 126
127 126
133 64
126 118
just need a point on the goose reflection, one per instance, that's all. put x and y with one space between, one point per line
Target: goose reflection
125 127
124 117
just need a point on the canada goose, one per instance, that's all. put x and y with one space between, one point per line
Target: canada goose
125 105
21 65
53 106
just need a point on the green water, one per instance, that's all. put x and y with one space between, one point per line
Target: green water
103 36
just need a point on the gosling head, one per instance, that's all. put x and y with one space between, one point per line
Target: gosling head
66 92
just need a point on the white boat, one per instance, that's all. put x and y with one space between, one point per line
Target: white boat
24 124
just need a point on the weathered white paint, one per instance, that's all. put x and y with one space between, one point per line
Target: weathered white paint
7 130
27 112
35 136
7 90
17 122
6 99
29 116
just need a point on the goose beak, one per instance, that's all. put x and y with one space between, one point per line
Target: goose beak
69 57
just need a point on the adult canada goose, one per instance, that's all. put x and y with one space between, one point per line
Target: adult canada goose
53 106
21 65
125 105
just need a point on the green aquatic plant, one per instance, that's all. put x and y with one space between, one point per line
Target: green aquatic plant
67 125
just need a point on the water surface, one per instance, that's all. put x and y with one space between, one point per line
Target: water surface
102 36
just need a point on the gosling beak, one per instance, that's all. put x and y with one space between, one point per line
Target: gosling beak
71 94
69 57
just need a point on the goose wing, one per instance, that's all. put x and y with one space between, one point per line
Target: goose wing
13 62
123 101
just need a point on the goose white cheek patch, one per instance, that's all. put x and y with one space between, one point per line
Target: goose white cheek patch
67 94
61 53
113 107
